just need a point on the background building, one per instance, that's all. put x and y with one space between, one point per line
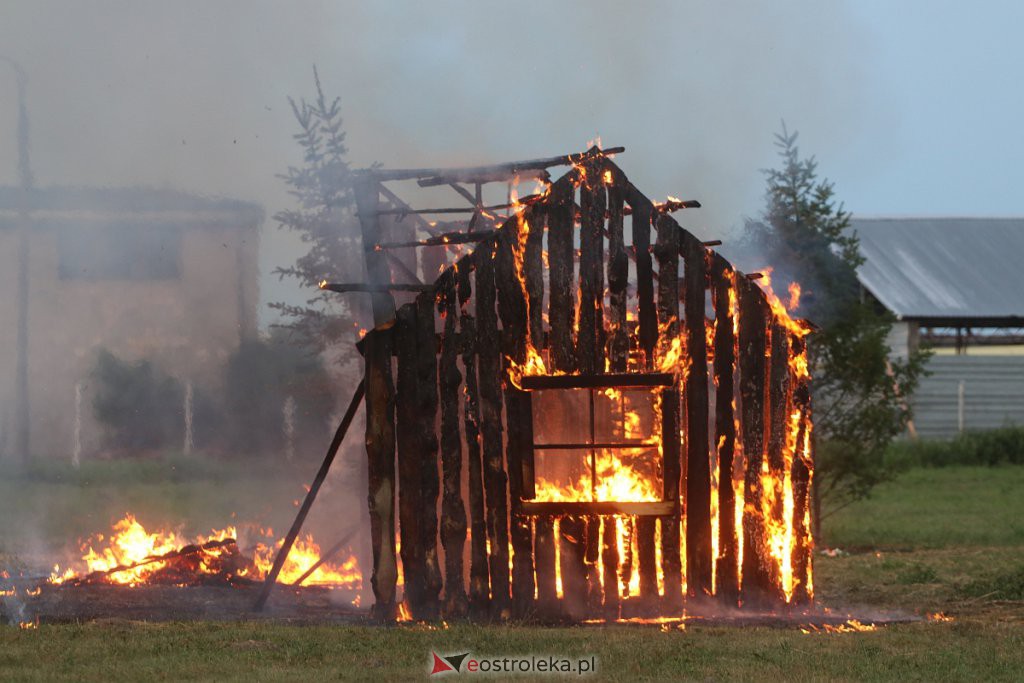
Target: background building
147 274
956 285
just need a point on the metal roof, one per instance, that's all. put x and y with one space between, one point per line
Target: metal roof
945 271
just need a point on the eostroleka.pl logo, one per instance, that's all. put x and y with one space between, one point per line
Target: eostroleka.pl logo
464 663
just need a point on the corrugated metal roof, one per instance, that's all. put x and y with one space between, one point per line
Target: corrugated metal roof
944 270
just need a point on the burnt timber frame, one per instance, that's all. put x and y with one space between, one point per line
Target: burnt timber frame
491 300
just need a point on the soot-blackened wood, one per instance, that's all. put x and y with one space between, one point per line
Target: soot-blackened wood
495 479
589 347
643 211
778 426
802 465
479 572
426 425
411 499
380 410
698 462
453 510
561 307
533 264
755 316
618 357
666 250
726 573
512 306
647 319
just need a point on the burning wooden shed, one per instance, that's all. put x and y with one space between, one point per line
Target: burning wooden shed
569 425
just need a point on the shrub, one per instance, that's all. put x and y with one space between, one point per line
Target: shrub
1003 446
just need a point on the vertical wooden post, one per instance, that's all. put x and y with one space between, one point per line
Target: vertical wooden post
479 573
453 510
411 500
495 479
726 573
643 214
802 468
778 419
666 250
380 410
426 421
512 306
618 356
698 463
754 319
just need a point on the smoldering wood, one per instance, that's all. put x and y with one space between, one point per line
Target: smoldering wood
698 464
725 429
673 205
495 479
802 466
643 212
561 307
479 572
666 250
598 381
512 307
453 510
618 275
753 340
412 503
584 445
442 240
426 424
307 503
533 265
610 566
403 212
778 418
380 410
589 346
492 173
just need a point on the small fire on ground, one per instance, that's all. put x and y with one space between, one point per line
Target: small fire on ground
131 555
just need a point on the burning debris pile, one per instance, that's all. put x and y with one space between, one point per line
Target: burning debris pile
132 556
629 425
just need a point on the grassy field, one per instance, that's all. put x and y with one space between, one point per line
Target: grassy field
947 540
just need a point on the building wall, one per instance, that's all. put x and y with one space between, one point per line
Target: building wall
993 394
186 325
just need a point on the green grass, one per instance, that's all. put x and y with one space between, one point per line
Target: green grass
933 540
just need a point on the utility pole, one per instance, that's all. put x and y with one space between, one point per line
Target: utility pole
22 430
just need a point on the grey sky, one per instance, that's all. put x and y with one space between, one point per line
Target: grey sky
911 107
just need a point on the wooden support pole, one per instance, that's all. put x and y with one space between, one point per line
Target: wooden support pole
647 318
314 489
779 406
512 307
411 497
666 250
426 424
380 411
562 311
453 510
698 462
495 479
479 572
726 572
755 316
803 465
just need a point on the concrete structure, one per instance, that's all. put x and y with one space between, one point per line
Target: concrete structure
146 274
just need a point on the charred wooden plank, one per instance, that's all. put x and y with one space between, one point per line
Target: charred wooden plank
453 510
589 348
495 478
599 381
561 306
803 464
618 273
426 416
411 498
666 251
778 426
380 411
533 264
479 572
698 462
755 317
643 211
726 572
512 306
